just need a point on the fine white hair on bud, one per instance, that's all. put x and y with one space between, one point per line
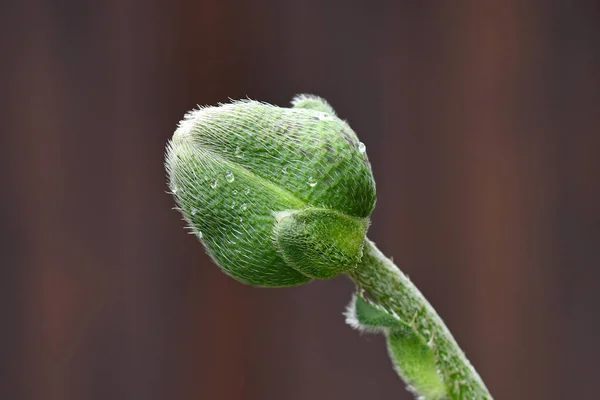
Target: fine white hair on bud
278 196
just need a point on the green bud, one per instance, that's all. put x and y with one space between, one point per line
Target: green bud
277 195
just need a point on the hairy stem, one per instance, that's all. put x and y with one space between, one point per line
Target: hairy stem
386 285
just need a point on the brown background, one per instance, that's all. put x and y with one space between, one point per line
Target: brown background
482 123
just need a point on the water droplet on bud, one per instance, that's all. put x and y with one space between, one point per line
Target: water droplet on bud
362 148
324 117
238 152
213 183
312 182
229 177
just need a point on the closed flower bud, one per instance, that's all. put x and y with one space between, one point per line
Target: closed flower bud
277 195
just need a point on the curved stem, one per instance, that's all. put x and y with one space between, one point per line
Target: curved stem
387 286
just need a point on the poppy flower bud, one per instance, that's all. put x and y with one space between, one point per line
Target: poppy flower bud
278 196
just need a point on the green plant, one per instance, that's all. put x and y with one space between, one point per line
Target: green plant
280 196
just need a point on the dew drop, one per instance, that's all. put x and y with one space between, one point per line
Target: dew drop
213 183
362 148
312 182
247 191
174 190
238 152
284 170
229 177
241 219
244 207
324 117
233 204
194 211
235 192
199 234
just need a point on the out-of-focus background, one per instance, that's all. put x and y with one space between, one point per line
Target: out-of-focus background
482 124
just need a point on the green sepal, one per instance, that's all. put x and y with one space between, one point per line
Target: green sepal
320 243
311 102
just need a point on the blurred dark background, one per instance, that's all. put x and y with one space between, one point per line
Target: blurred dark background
482 123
